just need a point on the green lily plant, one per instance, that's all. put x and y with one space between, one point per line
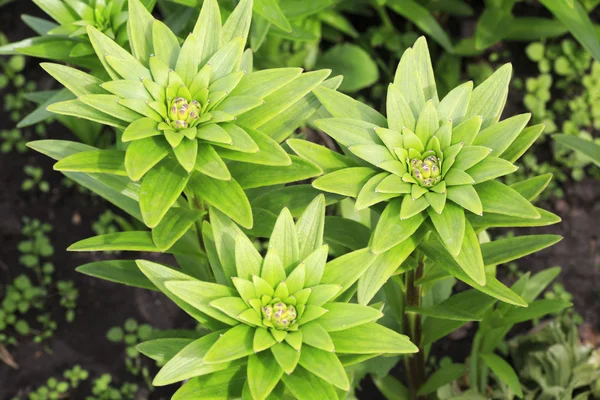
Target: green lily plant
430 171
431 160
66 38
185 109
285 324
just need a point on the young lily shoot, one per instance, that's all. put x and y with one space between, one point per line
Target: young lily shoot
191 118
430 161
284 320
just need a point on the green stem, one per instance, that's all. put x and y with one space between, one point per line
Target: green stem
199 205
385 18
473 361
415 364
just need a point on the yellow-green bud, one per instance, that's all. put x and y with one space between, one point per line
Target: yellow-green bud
183 114
279 314
426 170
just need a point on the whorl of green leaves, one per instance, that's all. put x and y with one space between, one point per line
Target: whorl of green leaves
430 160
184 109
66 38
286 320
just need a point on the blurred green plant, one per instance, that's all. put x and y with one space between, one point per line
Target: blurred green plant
35 180
131 334
553 364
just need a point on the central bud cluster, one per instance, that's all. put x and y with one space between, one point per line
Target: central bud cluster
102 22
427 169
279 314
183 113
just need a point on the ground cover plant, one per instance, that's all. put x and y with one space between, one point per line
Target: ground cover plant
309 200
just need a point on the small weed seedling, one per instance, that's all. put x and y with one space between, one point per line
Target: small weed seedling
103 390
35 180
131 334
56 388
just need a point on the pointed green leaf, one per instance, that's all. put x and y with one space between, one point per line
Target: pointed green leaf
263 374
504 250
238 22
162 350
272 12
454 105
489 98
269 152
585 147
124 272
383 267
399 112
574 15
286 356
443 376
441 311
186 154
523 142
200 294
285 240
466 131
359 340
494 288
97 161
226 196
76 108
347 181
160 274
165 45
139 30
343 106
326 159
160 188
232 345
369 195
224 384
532 187
500 136
272 269
265 175
466 197
491 168
78 82
503 371
469 258
208 31
346 270
189 362
143 154
450 225
343 316
391 230
173 226
325 365
106 47
501 199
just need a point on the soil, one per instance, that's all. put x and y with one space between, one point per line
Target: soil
102 305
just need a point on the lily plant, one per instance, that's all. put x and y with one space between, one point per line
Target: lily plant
193 116
285 324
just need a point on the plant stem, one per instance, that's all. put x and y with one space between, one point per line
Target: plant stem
199 205
415 364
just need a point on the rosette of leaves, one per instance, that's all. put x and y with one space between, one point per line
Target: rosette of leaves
286 323
66 38
433 162
185 109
